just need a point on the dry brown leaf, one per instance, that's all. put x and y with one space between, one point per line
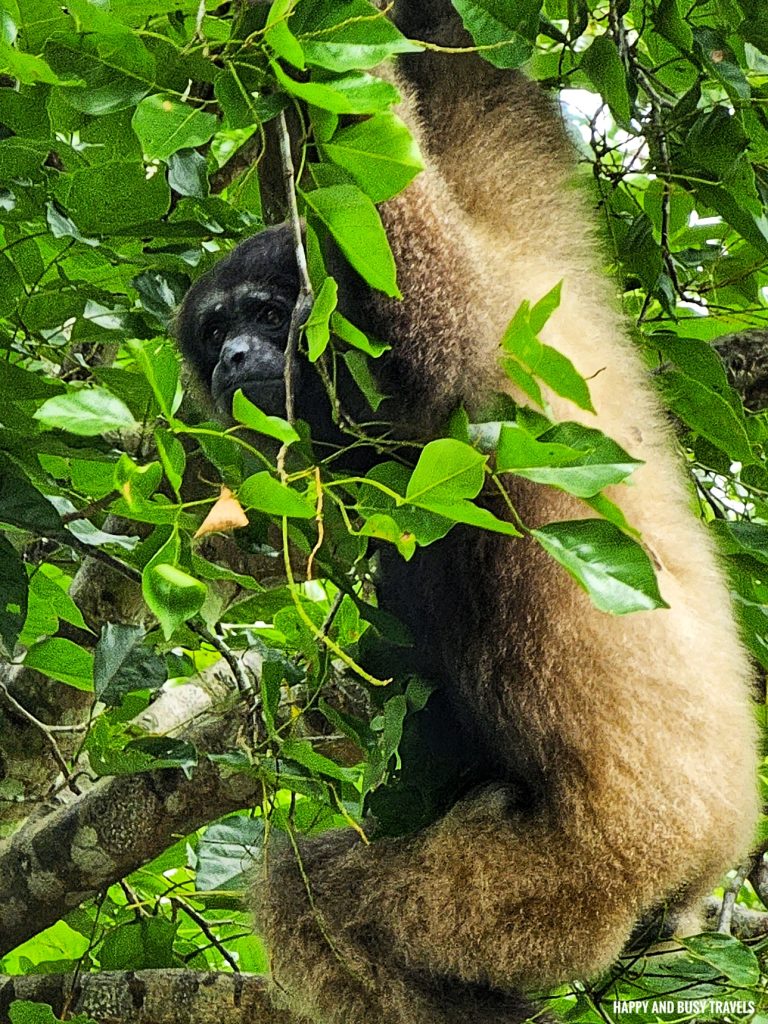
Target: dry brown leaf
226 514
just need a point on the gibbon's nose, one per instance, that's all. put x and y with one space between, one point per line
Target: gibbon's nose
246 357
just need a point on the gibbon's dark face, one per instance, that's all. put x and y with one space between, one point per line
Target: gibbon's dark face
233 324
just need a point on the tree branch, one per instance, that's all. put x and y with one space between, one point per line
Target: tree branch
149 997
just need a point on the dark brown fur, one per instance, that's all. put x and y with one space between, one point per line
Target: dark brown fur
622 750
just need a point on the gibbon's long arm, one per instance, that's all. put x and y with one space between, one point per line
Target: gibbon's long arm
622 750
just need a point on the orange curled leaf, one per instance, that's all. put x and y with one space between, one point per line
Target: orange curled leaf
226 514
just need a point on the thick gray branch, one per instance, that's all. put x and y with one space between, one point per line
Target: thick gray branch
149 997
61 858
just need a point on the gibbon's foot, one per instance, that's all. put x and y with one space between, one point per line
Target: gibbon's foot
333 963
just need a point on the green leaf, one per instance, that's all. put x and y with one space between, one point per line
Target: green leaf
11 286
352 219
613 569
164 126
63 660
670 24
25 384
380 154
533 359
384 527
742 538
350 94
29 69
544 308
279 37
172 595
146 944
576 459
302 753
123 664
172 457
698 360
425 526
87 412
24 1011
730 956
708 414
49 602
317 328
347 35
508 29
90 18
226 853
463 511
159 363
108 198
188 173
263 492
721 61
23 505
353 336
446 472
116 70
245 412
359 367
13 596
602 65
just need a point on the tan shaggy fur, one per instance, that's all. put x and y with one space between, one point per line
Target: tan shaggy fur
635 732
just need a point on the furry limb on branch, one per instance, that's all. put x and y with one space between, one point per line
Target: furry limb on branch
149 997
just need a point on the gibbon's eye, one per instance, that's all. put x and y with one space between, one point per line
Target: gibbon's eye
273 315
217 332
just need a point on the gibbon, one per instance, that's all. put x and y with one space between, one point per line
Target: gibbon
614 757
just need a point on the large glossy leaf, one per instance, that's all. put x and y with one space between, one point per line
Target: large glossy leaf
116 70
506 31
62 660
263 492
350 94
278 34
346 35
605 69
707 413
88 412
380 154
730 956
22 505
447 471
613 569
354 222
172 594
114 196
576 459
245 412
164 126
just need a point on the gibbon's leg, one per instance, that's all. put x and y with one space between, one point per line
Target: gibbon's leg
623 747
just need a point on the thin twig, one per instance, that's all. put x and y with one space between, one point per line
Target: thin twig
244 684
305 296
320 524
41 726
205 928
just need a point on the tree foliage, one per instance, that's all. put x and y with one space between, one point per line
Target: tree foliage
138 142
